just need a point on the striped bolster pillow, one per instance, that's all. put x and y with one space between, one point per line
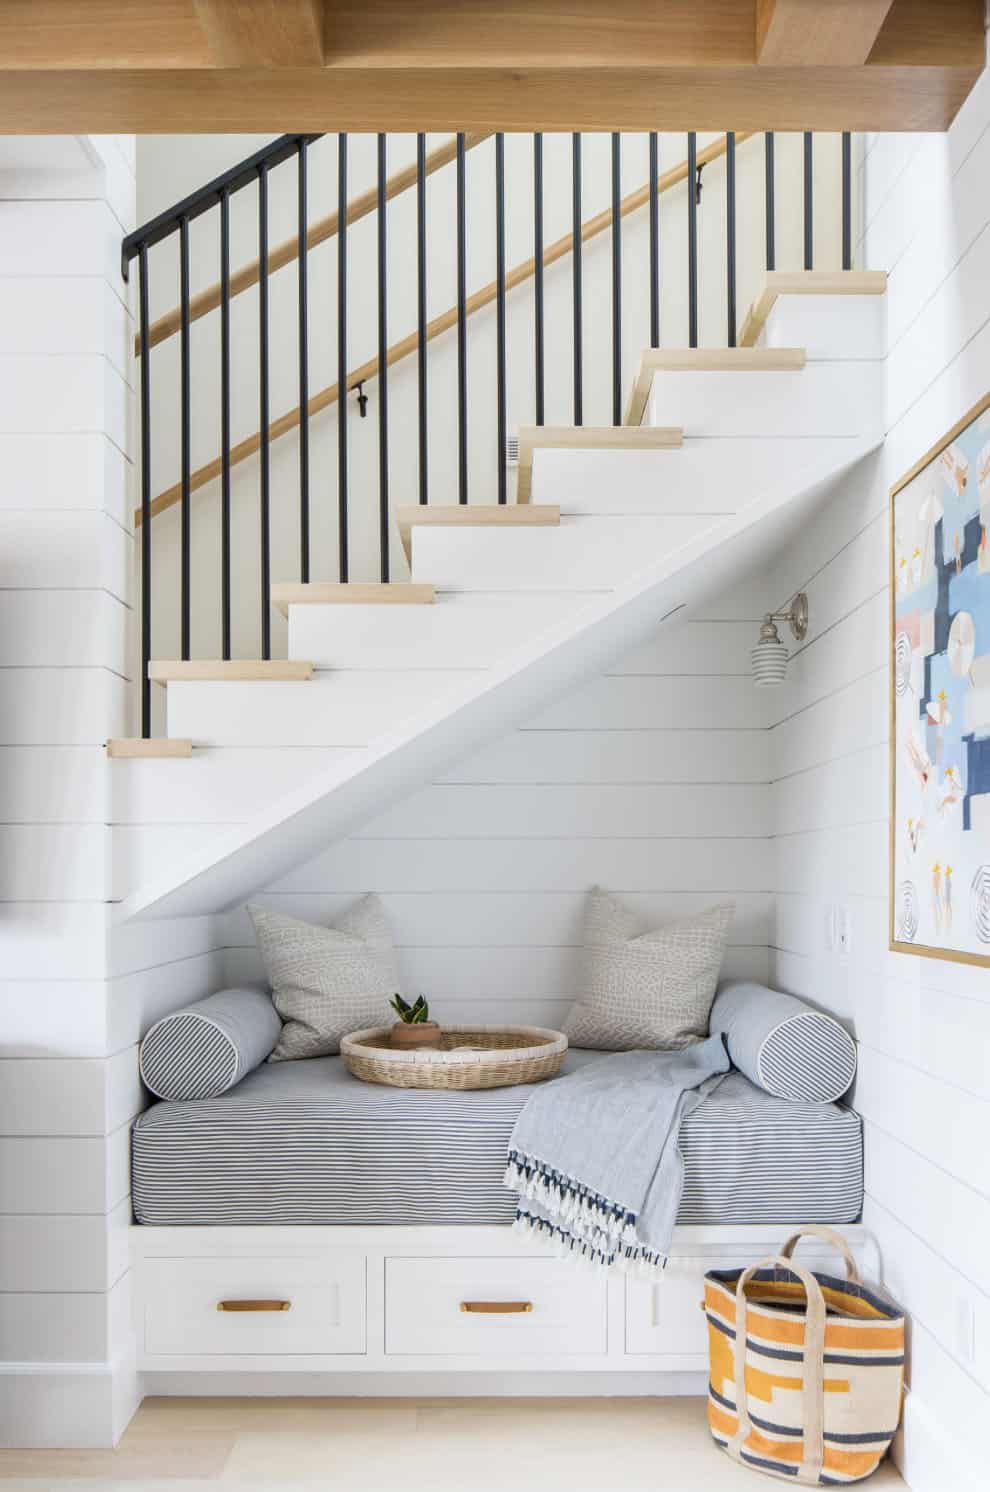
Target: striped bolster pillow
783 1045
204 1049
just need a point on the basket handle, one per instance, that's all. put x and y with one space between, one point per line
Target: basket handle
829 1235
813 1416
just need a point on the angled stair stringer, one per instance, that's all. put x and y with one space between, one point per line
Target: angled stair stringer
485 703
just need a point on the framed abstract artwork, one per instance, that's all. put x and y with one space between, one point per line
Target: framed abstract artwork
940 699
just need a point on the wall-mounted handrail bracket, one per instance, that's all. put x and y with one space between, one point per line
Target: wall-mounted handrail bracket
362 399
698 184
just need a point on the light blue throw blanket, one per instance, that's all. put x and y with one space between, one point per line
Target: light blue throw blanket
595 1160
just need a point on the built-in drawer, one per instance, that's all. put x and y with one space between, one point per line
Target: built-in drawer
493 1308
232 1307
664 1317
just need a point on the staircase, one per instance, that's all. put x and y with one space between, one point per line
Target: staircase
615 529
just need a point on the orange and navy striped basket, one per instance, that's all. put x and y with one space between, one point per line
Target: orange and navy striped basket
807 1369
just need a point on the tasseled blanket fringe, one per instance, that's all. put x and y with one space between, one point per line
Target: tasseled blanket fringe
581 1224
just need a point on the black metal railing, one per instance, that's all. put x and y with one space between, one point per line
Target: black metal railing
462 405
577 256
383 534
256 173
343 544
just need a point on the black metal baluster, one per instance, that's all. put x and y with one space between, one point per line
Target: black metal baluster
225 424
540 358
771 229
576 245
730 232
616 279
382 359
303 369
185 441
421 314
847 253
265 438
145 321
462 449
501 419
654 240
342 389
692 176
809 202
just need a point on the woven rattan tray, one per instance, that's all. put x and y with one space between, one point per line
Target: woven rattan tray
467 1057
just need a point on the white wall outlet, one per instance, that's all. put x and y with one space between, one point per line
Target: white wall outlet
843 931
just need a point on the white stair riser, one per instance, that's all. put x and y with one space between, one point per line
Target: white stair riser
584 554
347 709
701 476
824 398
455 632
829 326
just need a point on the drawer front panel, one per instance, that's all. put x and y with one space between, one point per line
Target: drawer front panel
245 1306
664 1317
493 1308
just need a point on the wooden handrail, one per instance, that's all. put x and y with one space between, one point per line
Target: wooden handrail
284 253
435 328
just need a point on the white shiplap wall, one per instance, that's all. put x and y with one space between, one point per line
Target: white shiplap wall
650 780
74 996
923 1026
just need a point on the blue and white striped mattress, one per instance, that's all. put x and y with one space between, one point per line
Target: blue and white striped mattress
306 1143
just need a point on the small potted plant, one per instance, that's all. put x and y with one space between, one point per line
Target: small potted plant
414 1027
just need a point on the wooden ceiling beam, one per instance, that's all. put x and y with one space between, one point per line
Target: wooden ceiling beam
539 33
72 35
808 33
311 100
263 33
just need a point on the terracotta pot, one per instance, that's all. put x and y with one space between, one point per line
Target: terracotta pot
427 1033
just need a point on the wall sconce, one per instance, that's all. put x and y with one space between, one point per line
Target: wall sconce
769 657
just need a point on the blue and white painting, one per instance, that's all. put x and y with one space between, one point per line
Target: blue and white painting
941 681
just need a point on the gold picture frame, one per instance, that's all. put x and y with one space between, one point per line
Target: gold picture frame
932 516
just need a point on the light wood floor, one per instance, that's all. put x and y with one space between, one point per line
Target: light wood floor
401 1445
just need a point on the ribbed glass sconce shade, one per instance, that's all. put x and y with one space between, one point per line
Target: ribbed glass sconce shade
769 659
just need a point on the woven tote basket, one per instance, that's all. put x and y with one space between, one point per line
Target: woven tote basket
467 1057
807 1370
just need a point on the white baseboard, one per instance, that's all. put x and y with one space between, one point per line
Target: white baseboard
126 1394
927 1458
424 1385
66 1406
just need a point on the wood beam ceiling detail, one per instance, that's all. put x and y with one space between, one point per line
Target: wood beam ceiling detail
807 33
304 65
263 33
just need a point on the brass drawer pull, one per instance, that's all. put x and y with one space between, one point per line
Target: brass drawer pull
254 1305
497 1307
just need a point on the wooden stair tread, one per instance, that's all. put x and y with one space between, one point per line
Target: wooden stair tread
138 747
480 515
807 282
217 669
587 438
707 360
351 593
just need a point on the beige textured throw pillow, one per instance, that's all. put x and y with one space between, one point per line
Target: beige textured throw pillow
650 990
326 981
